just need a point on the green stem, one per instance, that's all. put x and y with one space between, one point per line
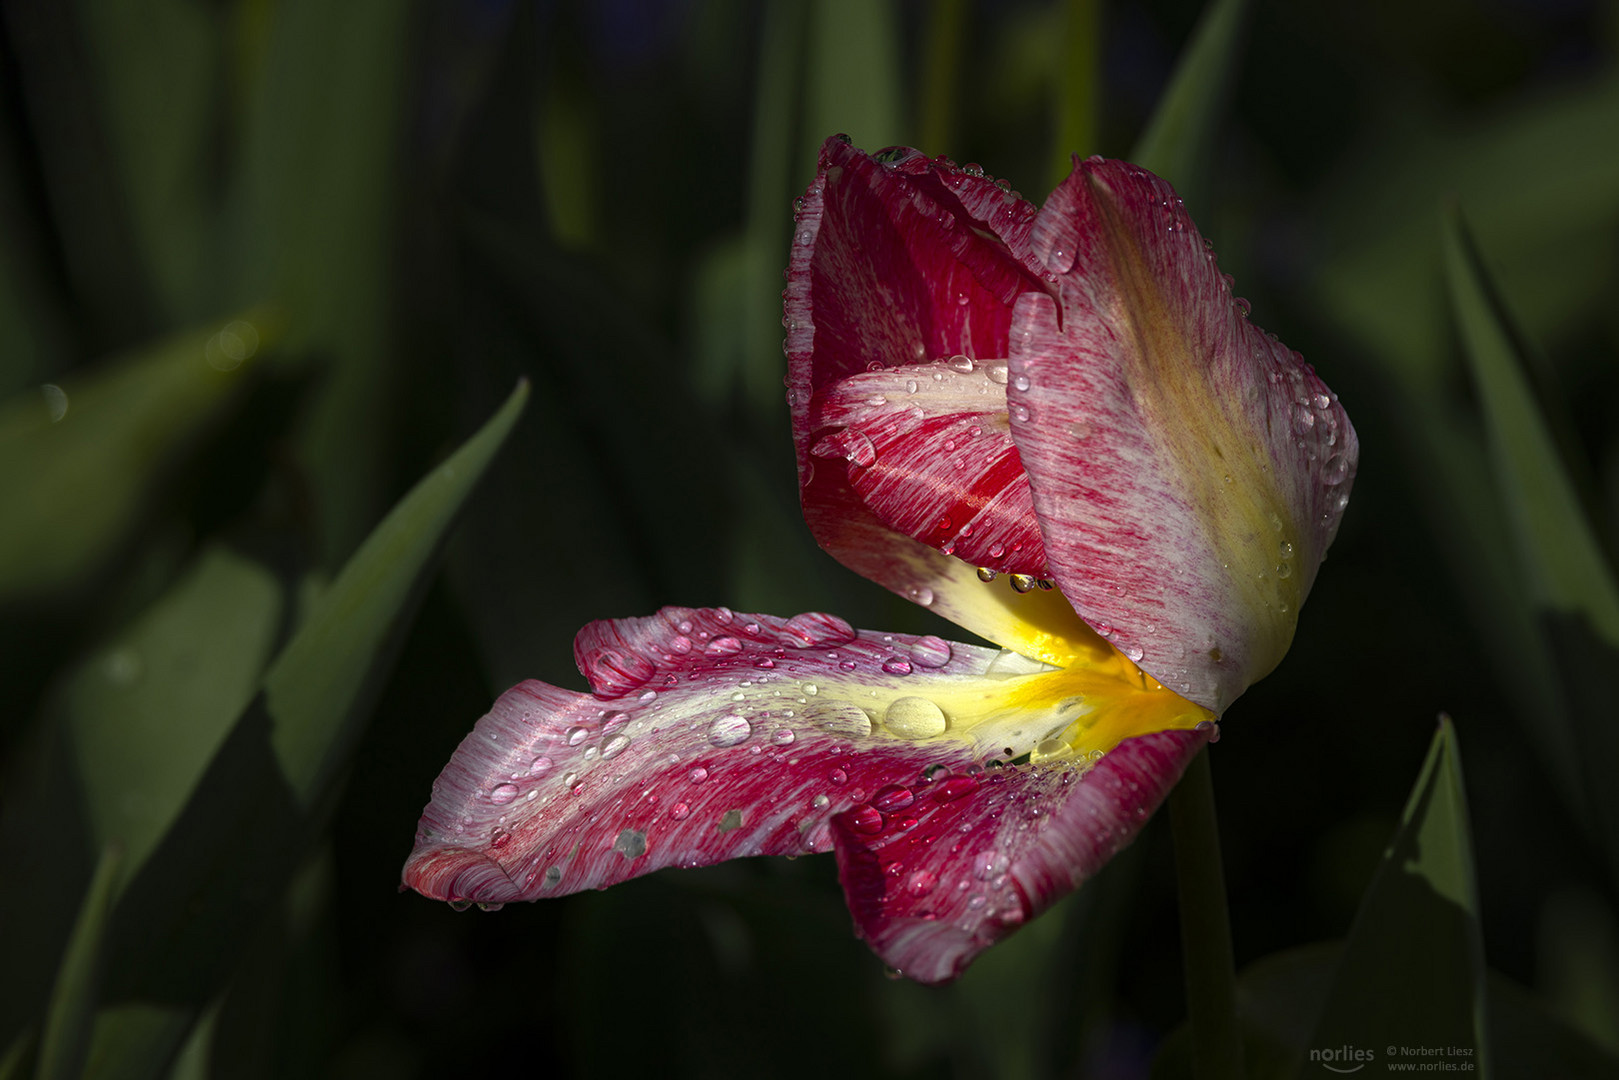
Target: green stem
1211 983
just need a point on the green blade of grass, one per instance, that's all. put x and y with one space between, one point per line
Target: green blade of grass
65 1044
1570 585
1412 972
1179 141
184 920
1559 551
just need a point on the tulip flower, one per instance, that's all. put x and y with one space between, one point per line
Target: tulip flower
1055 427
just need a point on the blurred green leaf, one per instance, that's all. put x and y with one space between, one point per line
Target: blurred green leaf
1569 581
1540 181
81 462
1565 563
318 691
311 215
161 75
1412 972
184 920
1078 85
65 1044
1179 141
941 82
853 78
1281 996
148 712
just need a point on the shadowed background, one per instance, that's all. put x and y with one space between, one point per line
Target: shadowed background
371 219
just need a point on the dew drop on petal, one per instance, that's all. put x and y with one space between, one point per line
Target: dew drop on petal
914 718
867 820
697 775
893 798
680 811
539 766
895 665
614 746
784 737
930 652
577 735
631 843
839 718
729 731
921 883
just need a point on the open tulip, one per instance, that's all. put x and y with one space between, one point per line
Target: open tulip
1055 427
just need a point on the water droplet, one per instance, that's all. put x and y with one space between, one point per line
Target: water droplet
614 746
1303 418
821 802
503 793
723 646
1020 382
553 875
577 735
930 651
631 843
539 766
990 864
1020 413
959 363
680 811
460 905
839 718
985 574
1135 653
867 820
921 883
1021 582
996 373
952 788
914 718
892 798
922 595
784 737
697 775
1335 471
896 666
837 776
729 731
816 630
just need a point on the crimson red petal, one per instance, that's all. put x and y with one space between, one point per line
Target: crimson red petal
899 260
956 865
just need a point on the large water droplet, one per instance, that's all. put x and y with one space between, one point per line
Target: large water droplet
867 820
539 766
914 718
930 652
895 665
893 798
815 629
614 746
577 735
631 843
729 730
503 793
921 883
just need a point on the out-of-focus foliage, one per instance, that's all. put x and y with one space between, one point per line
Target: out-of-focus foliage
265 263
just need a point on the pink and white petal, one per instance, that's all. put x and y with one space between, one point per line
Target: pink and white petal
937 872
895 262
1188 469
928 449
747 734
